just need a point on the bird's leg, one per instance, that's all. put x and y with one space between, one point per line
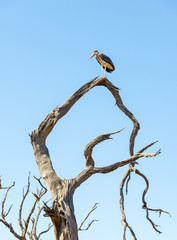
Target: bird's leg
101 71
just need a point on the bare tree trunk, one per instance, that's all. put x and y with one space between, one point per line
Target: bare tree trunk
62 212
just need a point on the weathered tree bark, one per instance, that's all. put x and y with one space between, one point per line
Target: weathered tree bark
62 212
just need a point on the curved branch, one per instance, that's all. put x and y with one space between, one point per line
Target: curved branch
89 171
52 118
11 229
136 127
45 231
89 148
121 106
145 203
122 163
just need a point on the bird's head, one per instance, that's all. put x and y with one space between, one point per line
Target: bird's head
94 53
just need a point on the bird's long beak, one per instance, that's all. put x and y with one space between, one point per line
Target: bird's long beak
92 55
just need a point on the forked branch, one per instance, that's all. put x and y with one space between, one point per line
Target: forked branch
33 232
4 215
145 207
90 170
88 214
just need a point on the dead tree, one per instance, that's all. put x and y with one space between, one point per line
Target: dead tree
62 211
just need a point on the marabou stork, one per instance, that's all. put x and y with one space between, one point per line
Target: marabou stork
104 61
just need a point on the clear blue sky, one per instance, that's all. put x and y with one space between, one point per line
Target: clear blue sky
44 57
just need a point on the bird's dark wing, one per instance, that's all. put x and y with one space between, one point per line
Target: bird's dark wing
106 59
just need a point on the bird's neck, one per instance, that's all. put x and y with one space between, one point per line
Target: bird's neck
97 56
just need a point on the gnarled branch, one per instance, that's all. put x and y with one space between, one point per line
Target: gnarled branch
89 148
89 171
145 203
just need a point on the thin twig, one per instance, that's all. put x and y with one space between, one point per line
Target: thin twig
38 196
39 180
3 214
45 231
21 224
88 214
37 219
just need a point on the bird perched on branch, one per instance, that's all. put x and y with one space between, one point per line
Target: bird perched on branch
104 61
